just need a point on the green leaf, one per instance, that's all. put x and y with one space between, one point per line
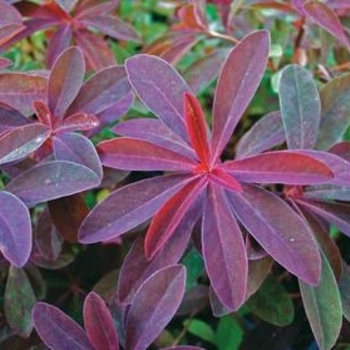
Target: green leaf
194 265
19 301
323 307
272 303
200 329
229 334
344 290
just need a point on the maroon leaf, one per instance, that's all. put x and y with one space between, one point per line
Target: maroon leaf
78 149
57 330
65 80
154 305
161 88
133 154
227 268
238 82
98 324
52 180
279 230
286 167
128 207
21 141
15 229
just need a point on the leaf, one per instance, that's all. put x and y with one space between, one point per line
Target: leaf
265 134
78 149
170 215
237 84
20 90
52 180
326 18
57 330
67 214
335 117
10 22
194 264
66 5
10 118
343 285
78 122
15 229
98 324
22 141
128 207
200 329
133 154
272 303
229 334
300 107
155 303
65 80
19 301
112 26
161 89
227 268
286 167
323 307
101 91
279 230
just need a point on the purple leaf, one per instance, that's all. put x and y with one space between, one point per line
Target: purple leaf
326 18
266 133
19 301
78 122
65 80
5 63
335 213
10 118
10 22
154 305
20 90
66 5
57 330
227 268
128 207
112 26
136 268
286 167
15 229
237 84
161 88
101 91
279 230
156 132
335 117
300 107
51 180
21 141
323 307
133 154
79 149
98 324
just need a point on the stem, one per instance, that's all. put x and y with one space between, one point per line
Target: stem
222 36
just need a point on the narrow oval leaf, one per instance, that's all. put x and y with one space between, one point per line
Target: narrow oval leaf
237 84
154 305
285 167
128 207
20 90
21 141
101 90
161 88
344 291
52 180
19 301
98 324
15 229
78 122
10 118
133 154
57 330
326 18
335 117
65 80
279 230
78 149
227 268
323 307
300 107
266 133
